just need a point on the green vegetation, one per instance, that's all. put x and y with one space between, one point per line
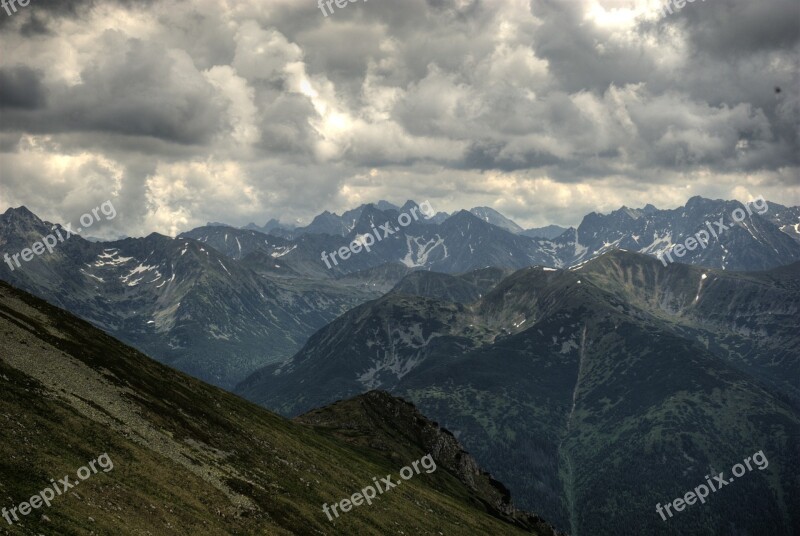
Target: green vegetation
188 458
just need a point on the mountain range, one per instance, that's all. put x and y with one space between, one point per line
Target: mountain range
481 237
616 384
220 302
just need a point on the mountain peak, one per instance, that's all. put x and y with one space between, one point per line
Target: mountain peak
385 205
20 221
463 215
699 201
408 205
494 217
20 213
649 209
627 211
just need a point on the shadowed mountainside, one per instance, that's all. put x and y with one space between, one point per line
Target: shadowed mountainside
615 385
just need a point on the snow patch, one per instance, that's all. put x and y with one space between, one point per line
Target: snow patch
139 270
281 251
420 250
110 257
84 272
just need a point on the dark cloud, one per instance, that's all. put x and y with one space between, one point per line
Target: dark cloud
141 90
33 26
21 87
490 155
733 28
284 126
136 90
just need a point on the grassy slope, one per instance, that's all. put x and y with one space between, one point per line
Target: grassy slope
188 458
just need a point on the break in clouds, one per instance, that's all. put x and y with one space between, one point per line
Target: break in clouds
186 112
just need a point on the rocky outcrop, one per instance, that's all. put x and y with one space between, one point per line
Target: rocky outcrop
382 421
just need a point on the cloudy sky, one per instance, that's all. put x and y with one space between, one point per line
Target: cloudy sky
183 112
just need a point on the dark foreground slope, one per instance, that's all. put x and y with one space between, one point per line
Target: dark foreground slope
594 393
188 458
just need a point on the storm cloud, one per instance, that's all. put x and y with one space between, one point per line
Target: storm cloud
186 112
